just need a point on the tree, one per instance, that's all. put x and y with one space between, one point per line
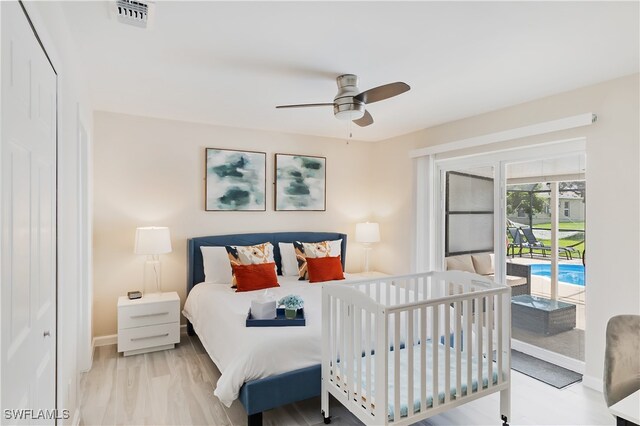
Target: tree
525 200
577 187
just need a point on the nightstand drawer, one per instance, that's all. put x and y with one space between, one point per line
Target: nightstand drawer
148 314
148 337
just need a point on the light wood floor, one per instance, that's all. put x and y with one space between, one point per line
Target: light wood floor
176 387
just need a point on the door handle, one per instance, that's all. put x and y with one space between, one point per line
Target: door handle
46 334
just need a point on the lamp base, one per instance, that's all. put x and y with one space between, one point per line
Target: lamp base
367 252
152 277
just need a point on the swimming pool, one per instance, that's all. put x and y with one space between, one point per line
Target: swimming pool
572 274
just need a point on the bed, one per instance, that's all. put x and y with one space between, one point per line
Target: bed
428 338
261 385
443 327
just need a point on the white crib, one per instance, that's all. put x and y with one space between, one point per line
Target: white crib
382 331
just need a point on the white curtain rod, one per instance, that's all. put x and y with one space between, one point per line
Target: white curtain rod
505 135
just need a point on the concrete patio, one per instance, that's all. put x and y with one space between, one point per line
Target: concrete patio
569 343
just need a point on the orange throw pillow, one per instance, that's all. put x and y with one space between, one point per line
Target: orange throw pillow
255 277
324 269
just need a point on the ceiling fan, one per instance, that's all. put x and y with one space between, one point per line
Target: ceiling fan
350 103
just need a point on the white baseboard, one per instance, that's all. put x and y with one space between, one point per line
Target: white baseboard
552 357
112 339
76 418
592 382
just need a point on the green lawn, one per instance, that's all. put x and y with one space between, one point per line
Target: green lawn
563 225
564 243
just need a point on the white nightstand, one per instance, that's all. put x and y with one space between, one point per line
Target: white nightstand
151 323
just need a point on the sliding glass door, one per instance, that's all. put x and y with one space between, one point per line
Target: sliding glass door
546 223
519 216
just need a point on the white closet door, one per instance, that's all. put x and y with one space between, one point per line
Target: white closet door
28 217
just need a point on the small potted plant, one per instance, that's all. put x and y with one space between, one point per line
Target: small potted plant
291 305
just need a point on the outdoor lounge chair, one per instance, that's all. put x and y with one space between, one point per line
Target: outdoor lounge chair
516 241
532 243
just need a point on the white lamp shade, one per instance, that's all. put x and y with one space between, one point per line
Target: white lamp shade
367 232
152 240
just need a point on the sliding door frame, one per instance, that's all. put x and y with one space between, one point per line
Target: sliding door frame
430 208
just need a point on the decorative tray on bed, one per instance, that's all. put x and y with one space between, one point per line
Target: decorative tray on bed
278 321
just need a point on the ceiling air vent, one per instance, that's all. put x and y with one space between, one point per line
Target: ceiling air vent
134 12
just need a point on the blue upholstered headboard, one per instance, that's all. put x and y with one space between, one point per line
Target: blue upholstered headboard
195 269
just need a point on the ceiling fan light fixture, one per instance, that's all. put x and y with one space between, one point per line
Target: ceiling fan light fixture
350 111
350 103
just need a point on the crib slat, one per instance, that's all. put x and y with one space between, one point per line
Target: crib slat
348 356
396 365
447 353
409 346
469 342
358 353
334 335
499 330
479 337
490 341
342 324
435 340
458 341
326 368
387 300
381 395
423 359
368 372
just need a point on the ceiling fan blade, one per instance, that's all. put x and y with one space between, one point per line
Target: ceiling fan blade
366 120
381 93
304 105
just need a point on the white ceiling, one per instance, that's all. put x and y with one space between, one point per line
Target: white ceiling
230 63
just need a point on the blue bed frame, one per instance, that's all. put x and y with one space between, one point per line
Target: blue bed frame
263 394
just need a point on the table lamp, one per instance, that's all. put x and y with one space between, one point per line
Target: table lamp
152 241
367 233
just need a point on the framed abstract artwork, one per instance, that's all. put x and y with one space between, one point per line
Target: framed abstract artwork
235 180
300 183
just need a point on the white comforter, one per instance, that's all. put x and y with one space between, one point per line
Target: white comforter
242 354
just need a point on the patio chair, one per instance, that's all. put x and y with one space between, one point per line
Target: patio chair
516 241
532 243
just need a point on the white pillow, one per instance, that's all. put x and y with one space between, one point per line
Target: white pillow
288 260
217 269
336 247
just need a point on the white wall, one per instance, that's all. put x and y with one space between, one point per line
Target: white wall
151 172
73 105
613 189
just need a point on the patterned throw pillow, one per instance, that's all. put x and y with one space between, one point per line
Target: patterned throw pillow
314 250
249 255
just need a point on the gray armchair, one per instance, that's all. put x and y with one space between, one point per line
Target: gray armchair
622 358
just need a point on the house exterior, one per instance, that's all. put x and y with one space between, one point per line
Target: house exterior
571 209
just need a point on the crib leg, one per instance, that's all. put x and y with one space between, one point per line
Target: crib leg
324 404
505 406
327 419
